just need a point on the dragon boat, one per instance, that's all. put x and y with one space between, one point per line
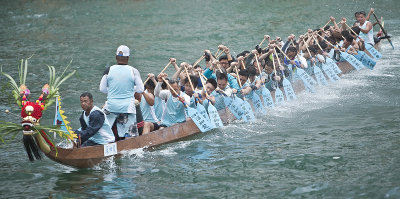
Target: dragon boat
37 137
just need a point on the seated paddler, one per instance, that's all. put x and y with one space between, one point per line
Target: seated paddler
95 128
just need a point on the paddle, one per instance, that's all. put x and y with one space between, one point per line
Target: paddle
197 118
248 114
212 111
287 86
255 98
326 24
317 71
383 30
376 54
199 60
278 93
165 68
349 58
330 67
200 108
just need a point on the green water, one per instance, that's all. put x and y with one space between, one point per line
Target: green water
341 142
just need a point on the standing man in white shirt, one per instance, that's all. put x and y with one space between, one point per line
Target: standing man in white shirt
122 84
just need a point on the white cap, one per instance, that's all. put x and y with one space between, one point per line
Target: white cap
123 51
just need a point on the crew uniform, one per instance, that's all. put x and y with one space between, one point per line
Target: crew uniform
95 128
369 37
120 82
174 110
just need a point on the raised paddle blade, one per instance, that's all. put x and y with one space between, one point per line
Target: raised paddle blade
330 73
214 116
279 97
333 65
200 108
258 104
288 88
248 115
370 48
352 60
267 97
365 59
199 120
309 82
320 76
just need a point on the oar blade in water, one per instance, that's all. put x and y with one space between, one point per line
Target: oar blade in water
365 59
199 120
202 110
235 106
279 97
330 73
370 48
258 106
320 76
308 81
267 97
248 115
214 116
333 65
288 88
352 60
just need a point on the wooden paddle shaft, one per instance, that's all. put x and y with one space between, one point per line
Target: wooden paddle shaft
316 41
199 60
165 68
244 67
237 73
328 42
262 42
326 24
258 63
307 47
283 52
273 63
279 62
202 82
190 81
170 87
380 25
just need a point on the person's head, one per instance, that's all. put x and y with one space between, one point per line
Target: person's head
252 72
174 85
149 86
164 86
211 85
355 29
323 45
243 76
331 40
347 36
122 55
86 99
188 87
244 53
360 16
223 61
313 49
222 80
291 52
268 66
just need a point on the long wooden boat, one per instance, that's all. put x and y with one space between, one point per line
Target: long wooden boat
86 157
